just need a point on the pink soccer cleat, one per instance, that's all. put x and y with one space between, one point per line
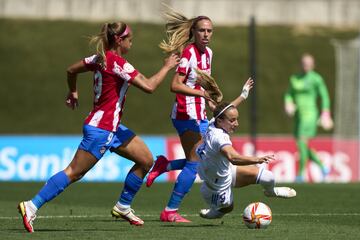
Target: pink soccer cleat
172 216
158 169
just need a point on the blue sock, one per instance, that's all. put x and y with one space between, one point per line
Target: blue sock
183 184
53 187
132 186
177 164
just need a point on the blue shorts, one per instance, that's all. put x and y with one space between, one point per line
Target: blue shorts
182 126
122 135
97 141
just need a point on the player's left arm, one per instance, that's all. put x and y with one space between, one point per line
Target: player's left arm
324 94
325 118
244 93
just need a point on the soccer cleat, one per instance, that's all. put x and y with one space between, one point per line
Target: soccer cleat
158 169
210 213
127 214
172 216
27 216
281 192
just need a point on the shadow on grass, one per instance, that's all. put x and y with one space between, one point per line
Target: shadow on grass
185 225
43 230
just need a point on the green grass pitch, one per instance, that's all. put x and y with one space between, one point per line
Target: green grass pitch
320 211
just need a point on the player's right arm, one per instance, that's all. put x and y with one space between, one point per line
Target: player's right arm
289 104
236 159
72 72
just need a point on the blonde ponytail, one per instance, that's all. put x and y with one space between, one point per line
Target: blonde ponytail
209 84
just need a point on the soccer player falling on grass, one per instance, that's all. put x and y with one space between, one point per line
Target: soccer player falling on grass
222 168
301 102
102 129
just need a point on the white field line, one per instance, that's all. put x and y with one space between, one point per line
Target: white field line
188 215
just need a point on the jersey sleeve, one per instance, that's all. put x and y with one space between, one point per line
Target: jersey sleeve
91 62
184 64
324 94
220 140
124 70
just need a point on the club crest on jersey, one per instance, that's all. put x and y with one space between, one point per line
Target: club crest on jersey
183 62
128 68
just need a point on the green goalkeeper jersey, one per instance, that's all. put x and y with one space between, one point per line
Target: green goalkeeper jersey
303 91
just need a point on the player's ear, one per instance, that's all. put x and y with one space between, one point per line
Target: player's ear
118 39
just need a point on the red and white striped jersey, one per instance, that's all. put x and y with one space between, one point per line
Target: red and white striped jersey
110 86
190 107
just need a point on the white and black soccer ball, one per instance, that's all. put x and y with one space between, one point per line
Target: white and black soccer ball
257 215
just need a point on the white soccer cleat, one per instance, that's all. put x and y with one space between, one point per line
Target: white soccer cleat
210 213
281 192
27 216
127 214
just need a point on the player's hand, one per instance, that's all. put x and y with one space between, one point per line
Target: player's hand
325 120
172 61
72 100
266 159
290 108
246 88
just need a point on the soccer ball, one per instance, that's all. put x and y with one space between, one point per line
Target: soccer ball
257 215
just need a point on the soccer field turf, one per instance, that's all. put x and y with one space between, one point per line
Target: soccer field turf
320 211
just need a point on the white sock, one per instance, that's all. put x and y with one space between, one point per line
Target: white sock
266 179
170 209
121 206
31 207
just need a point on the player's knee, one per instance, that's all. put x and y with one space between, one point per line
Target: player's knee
147 164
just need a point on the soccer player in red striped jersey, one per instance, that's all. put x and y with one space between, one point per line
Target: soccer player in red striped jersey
102 130
190 38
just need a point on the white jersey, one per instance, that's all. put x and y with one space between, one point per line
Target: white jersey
214 168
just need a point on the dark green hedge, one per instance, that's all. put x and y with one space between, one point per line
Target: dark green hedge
35 55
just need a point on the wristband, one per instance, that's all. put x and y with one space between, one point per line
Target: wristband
244 93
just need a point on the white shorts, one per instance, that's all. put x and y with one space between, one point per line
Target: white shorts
217 199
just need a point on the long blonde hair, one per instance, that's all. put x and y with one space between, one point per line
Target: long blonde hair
178 30
209 84
105 40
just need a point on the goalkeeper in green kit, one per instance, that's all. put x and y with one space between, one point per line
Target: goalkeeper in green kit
301 102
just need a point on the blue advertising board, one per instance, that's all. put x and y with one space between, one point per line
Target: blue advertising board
37 158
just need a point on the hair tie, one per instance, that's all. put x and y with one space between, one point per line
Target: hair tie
126 32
